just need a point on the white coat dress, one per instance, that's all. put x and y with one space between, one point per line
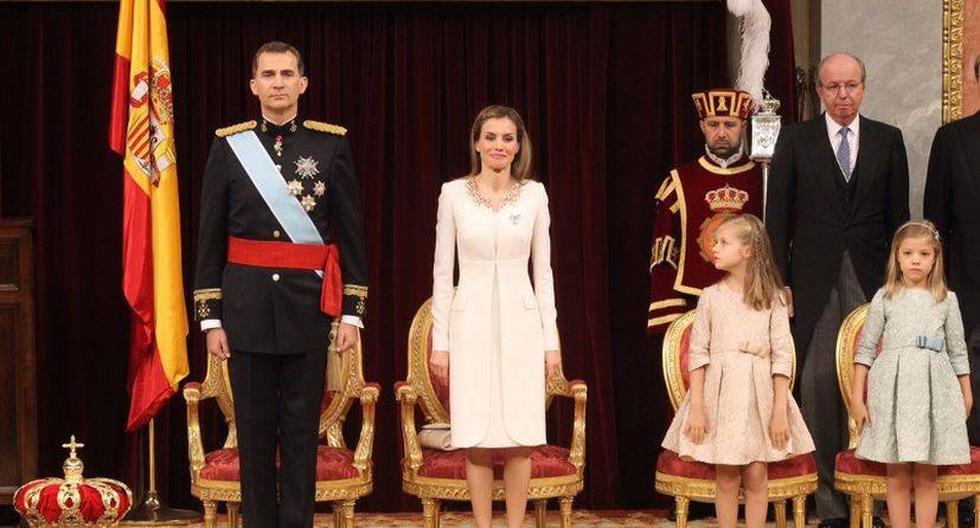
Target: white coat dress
495 325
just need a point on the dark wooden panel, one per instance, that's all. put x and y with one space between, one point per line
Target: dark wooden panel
18 367
9 264
9 464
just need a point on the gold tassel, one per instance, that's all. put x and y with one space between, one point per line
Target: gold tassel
335 364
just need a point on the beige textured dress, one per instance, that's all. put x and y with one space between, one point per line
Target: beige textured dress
741 350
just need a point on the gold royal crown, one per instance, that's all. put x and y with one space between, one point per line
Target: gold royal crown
727 199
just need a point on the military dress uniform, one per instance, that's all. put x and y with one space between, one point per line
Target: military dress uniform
693 201
276 297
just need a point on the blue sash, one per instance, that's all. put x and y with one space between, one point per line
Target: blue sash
267 179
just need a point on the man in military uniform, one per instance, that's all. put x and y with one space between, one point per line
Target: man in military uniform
280 255
694 200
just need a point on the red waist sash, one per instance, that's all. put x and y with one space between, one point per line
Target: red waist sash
274 254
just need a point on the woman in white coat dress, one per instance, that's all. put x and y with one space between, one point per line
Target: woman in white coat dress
495 336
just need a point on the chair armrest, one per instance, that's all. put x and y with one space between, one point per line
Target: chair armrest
195 447
576 455
365 444
405 394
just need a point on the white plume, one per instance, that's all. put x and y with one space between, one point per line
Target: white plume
755 24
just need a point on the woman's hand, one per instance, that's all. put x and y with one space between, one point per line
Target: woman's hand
552 360
697 425
779 428
859 411
439 365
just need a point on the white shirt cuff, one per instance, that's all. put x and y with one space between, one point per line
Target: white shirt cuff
208 324
352 320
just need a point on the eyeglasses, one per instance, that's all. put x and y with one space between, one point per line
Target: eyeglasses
849 87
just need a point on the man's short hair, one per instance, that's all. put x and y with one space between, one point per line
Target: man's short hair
277 47
828 57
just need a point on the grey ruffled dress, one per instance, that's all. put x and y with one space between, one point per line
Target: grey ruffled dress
914 401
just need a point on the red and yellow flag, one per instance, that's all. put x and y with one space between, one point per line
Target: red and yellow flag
141 130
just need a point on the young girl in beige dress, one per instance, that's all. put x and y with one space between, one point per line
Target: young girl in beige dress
739 413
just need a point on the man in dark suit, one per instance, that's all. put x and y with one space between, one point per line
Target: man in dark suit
280 255
837 191
951 201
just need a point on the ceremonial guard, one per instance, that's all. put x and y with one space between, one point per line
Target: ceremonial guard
694 200
280 255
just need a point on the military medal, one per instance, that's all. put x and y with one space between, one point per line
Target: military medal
306 168
295 187
308 202
277 146
320 188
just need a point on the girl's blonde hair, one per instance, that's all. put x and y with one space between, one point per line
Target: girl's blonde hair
762 282
936 280
520 169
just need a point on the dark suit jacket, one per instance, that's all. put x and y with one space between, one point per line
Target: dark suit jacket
277 310
952 201
811 226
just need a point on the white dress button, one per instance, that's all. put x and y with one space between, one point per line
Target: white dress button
275 276
276 233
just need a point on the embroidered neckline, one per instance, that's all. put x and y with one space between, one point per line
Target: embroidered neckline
480 199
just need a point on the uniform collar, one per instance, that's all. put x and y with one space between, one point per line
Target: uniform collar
271 128
735 159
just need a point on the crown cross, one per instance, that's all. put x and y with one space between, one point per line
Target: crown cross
73 445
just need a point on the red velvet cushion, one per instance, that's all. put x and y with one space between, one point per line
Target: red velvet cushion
441 389
546 461
331 464
92 506
669 463
847 462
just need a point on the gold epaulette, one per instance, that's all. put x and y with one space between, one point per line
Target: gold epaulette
235 129
325 127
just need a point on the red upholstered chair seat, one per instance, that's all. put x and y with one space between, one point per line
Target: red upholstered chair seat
669 463
848 463
546 461
331 464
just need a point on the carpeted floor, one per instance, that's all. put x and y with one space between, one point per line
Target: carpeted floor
583 519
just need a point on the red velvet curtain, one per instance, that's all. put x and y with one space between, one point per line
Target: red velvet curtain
604 89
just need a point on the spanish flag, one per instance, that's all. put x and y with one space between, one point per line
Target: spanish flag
142 131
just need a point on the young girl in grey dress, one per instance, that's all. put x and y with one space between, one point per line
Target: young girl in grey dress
918 386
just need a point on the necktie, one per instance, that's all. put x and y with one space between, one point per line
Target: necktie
844 154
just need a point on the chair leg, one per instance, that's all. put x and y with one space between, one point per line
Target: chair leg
232 514
780 507
430 513
540 513
867 511
565 507
855 511
343 514
953 514
681 506
210 514
799 511
976 511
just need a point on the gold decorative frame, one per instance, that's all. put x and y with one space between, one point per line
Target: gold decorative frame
952 59
685 489
418 390
342 493
865 489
